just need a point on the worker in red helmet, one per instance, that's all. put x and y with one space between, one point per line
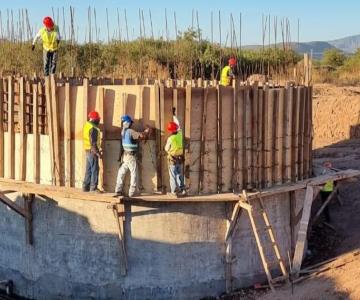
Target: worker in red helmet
50 37
228 72
92 147
174 149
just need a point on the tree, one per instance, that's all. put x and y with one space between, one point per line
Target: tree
333 58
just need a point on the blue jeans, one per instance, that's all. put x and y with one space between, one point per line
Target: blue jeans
176 177
50 60
91 172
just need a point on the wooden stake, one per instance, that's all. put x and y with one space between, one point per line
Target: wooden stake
11 129
67 137
22 163
36 134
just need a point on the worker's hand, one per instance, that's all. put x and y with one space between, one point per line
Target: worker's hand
32 47
147 130
174 111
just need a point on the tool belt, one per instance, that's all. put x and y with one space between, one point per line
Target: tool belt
132 153
174 160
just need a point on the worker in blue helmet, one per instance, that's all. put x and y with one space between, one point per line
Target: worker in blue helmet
128 157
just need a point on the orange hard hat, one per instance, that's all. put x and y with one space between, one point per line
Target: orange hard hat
94 116
48 22
172 127
232 61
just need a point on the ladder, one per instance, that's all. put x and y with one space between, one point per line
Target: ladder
256 211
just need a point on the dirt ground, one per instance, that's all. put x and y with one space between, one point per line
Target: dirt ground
336 119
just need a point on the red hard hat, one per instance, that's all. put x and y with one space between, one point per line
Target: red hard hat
232 61
94 115
48 22
172 127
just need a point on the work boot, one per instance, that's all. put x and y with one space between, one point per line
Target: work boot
96 191
118 194
172 195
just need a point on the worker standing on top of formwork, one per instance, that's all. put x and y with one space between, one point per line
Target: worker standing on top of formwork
228 73
174 148
50 37
92 144
130 146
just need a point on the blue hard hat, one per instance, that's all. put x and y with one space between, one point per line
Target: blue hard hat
126 118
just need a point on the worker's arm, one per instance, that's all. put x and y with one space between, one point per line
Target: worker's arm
58 36
175 119
168 145
36 38
135 135
93 142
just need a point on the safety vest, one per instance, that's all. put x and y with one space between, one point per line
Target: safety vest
176 142
49 38
329 186
128 143
225 79
86 135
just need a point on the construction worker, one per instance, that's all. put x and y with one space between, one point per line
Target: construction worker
130 146
92 142
174 150
50 37
327 189
228 73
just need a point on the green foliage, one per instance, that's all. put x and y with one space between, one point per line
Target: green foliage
333 58
186 57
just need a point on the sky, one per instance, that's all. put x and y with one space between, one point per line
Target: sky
319 19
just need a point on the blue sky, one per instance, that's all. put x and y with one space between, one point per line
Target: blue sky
319 19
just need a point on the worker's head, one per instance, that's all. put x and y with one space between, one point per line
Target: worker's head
94 117
48 23
172 127
232 62
126 121
327 164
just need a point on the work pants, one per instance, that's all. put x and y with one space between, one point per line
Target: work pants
50 61
91 172
129 164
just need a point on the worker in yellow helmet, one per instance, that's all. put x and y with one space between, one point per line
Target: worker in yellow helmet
174 148
228 73
92 144
50 37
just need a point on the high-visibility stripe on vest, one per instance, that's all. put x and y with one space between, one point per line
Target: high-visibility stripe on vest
176 142
225 79
329 186
86 135
49 38
128 143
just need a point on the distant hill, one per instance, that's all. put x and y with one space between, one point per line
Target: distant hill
348 44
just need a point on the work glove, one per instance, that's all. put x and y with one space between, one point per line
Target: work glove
32 47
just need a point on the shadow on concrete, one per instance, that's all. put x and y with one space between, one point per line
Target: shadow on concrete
76 252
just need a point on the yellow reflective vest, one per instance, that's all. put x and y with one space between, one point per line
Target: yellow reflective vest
86 135
225 79
50 38
176 142
329 186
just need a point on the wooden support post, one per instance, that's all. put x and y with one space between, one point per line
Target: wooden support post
28 202
36 134
18 209
295 136
248 138
2 96
288 131
22 125
50 125
67 137
279 141
11 129
56 131
85 112
255 132
119 214
219 140
301 114
302 233
269 142
235 171
100 110
292 222
188 134
159 149
260 159
205 93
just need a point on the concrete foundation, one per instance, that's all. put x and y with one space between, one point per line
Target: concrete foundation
175 251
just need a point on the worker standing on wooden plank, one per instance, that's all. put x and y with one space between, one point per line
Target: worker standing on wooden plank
228 73
50 37
174 148
92 144
130 146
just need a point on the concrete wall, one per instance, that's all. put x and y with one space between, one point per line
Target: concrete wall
175 251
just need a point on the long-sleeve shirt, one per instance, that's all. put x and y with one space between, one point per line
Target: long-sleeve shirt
93 140
38 35
168 142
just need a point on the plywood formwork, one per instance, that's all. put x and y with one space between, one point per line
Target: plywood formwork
244 136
